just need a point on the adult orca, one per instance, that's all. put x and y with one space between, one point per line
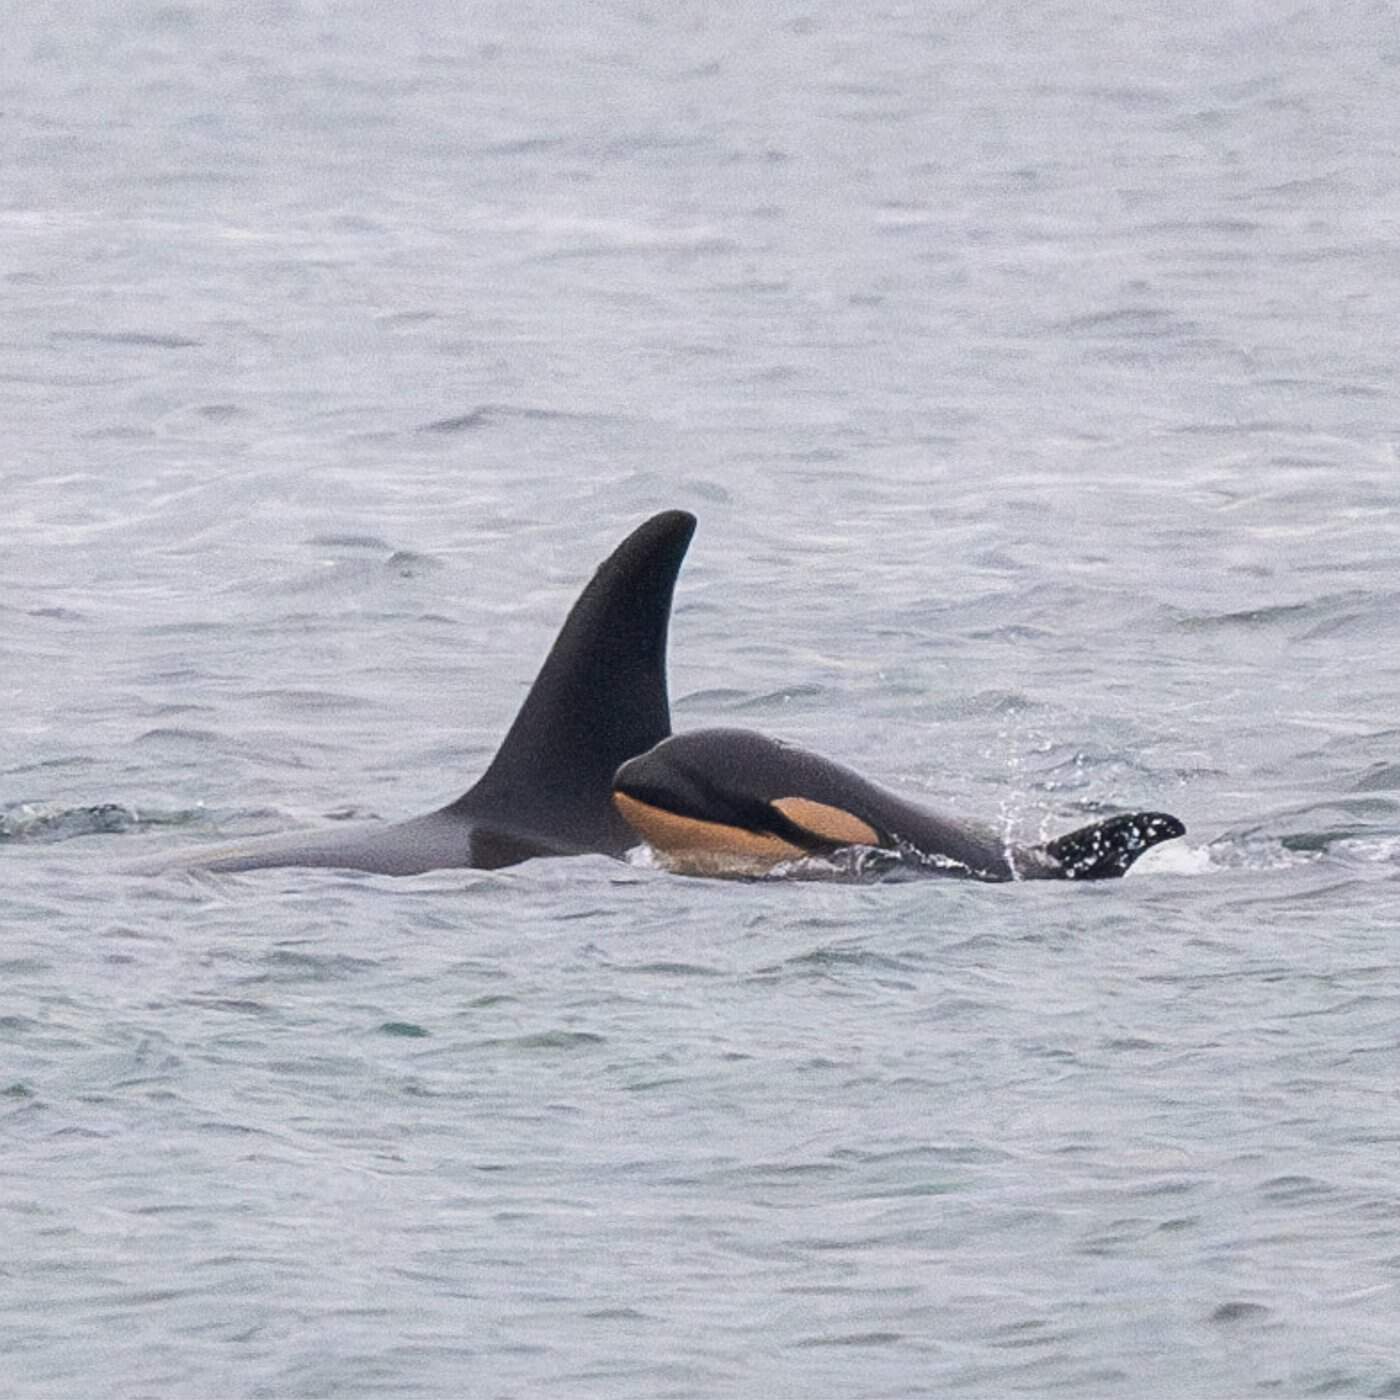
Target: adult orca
599 698
729 801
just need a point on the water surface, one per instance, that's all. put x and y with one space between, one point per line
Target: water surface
1031 373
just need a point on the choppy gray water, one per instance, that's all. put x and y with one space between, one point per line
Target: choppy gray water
1031 371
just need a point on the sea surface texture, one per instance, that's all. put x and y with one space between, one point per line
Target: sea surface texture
1031 369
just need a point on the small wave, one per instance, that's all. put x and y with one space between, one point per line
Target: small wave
143 339
305 700
459 423
557 1039
842 955
1380 777
410 563
1357 831
1378 850
349 541
778 699
1318 826
985 704
487 414
41 823
714 697
1151 322
1323 615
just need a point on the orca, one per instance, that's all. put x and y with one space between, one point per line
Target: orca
599 698
730 801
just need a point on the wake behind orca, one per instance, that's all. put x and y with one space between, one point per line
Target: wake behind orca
599 699
729 801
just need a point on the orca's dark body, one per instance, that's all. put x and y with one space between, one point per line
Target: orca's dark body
599 698
732 801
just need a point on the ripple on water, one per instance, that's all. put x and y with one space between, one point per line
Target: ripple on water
1046 465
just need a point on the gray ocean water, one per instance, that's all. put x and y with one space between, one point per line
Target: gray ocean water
1031 371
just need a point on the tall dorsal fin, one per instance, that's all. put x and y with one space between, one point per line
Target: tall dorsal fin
599 699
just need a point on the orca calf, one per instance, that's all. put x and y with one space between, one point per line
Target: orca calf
599 698
729 801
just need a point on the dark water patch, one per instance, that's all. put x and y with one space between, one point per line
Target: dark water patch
24 967
487 415
655 1085
771 1172
336 541
304 700
1238 427
668 969
461 423
179 734
914 1190
118 433
1026 1332
1236 1311
835 958
1316 824
936 1154
188 627
851 1339
1358 622
317 1066
126 932
285 966
546 1040
44 824
709 491
1267 616
1329 1381
45 765
408 318
490 999
170 711
222 1127
140 339
236 1006
1380 777
1331 610
522 146
1167 1186
1296 1190
1230 226
409 1030
57 614
1131 322
1132 1043
408 563
839 956
1178 1223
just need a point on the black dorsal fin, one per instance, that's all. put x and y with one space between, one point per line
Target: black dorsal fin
599 699
1105 850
